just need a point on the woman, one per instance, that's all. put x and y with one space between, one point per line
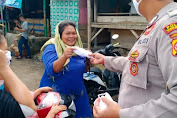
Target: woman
63 69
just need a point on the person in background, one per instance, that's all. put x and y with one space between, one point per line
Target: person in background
63 69
24 36
149 81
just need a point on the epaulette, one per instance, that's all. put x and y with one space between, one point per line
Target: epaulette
172 13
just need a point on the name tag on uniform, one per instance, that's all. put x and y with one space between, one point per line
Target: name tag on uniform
143 41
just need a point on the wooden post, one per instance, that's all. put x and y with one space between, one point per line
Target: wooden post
6 27
89 23
2 17
95 20
45 20
95 10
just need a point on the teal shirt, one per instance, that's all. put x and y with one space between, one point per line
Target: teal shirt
2 87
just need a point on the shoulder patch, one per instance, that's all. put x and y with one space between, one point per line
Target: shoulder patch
174 47
134 69
173 35
149 29
169 28
134 55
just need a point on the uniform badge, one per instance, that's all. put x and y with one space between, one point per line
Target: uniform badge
174 47
149 29
169 28
134 69
134 55
173 35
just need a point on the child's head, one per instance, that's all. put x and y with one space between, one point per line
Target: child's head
3 47
3 42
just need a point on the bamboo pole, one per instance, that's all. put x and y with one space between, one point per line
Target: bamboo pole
2 17
45 20
95 10
89 23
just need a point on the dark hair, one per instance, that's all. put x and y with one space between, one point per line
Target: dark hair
64 24
22 15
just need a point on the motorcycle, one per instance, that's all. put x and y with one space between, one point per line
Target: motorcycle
98 81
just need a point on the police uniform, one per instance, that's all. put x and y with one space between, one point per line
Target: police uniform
149 81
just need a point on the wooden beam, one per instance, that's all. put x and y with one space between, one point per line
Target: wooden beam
89 23
120 25
134 33
95 10
117 19
118 14
99 31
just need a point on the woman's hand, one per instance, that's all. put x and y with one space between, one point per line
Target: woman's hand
97 58
68 52
56 109
59 63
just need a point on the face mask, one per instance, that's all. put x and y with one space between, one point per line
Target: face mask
136 4
9 57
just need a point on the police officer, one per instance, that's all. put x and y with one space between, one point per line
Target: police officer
149 82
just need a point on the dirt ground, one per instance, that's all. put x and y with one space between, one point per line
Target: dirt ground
29 71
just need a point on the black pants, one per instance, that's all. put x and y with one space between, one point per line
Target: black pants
9 107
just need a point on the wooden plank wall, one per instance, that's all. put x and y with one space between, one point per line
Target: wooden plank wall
37 26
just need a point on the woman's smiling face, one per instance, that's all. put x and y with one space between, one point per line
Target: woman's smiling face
69 35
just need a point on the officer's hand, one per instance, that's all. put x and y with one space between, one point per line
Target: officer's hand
111 111
68 52
97 58
3 61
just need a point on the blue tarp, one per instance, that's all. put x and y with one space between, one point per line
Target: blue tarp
12 3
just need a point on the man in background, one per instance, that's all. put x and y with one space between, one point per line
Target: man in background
24 37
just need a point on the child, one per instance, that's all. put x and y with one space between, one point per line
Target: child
3 47
19 100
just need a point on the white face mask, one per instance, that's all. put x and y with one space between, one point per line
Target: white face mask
9 57
136 4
